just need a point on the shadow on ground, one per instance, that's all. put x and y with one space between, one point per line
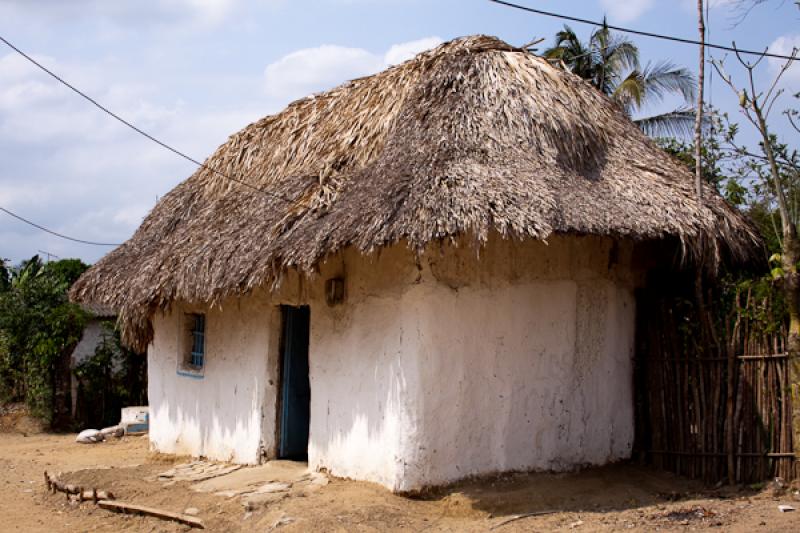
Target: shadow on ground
610 488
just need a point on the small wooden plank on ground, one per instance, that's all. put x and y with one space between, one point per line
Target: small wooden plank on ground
131 508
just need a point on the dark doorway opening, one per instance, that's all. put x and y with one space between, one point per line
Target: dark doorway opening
295 388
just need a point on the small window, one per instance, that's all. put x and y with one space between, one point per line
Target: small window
192 345
197 353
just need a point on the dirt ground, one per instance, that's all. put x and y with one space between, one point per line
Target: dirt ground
620 497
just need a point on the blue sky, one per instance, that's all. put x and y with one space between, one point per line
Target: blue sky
193 72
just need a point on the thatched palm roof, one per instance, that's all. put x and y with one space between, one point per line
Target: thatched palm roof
471 137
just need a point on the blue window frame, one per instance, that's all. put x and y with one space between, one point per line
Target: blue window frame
197 354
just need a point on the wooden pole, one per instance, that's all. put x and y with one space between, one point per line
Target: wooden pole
698 120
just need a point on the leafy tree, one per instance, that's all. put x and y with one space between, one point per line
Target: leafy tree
27 270
739 175
774 168
717 168
751 171
39 328
611 64
113 378
5 275
711 171
67 270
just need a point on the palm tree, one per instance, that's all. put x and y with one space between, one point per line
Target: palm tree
611 64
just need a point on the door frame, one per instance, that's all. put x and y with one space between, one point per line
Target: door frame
279 403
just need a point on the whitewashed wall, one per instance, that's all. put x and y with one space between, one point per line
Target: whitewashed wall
218 415
363 370
432 370
455 367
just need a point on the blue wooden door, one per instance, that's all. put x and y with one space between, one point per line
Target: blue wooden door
296 391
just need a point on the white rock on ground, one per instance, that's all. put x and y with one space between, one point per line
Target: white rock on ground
89 436
113 431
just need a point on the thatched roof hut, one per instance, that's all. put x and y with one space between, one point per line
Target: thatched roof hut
471 137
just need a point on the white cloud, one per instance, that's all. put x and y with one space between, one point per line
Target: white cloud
125 13
405 51
205 11
70 167
784 45
14 67
311 69
35 108
314 69
626 10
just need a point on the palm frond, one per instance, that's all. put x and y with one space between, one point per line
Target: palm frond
677 123
601 37
570 50
664 78
630 92
622 55
566 41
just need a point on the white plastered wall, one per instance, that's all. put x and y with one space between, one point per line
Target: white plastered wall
363 369
433 369
452 366
220 414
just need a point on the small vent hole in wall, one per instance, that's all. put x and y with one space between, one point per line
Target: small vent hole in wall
334 291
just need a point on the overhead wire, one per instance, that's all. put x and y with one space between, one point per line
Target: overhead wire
57 234
683 40
135 128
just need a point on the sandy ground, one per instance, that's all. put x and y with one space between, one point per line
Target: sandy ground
621 497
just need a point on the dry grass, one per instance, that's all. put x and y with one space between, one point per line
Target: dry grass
471 137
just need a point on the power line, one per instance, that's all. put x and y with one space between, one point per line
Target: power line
640 32
137 129
134 128
48 254
39 226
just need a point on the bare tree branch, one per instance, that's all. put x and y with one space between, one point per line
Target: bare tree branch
790 115
743 8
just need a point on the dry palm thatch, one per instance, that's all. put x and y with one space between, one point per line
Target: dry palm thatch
471 137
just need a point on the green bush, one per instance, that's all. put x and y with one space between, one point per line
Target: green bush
39 328
112 378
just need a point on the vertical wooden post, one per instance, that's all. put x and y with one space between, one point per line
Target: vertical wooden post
729 407
698 121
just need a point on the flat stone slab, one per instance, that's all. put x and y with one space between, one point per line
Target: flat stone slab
275 486
249 479
252 502
196 471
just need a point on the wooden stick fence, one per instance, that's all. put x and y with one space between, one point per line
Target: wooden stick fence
713 405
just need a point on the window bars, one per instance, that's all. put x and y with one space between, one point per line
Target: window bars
198 341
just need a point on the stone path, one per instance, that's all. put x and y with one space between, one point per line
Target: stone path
257 486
